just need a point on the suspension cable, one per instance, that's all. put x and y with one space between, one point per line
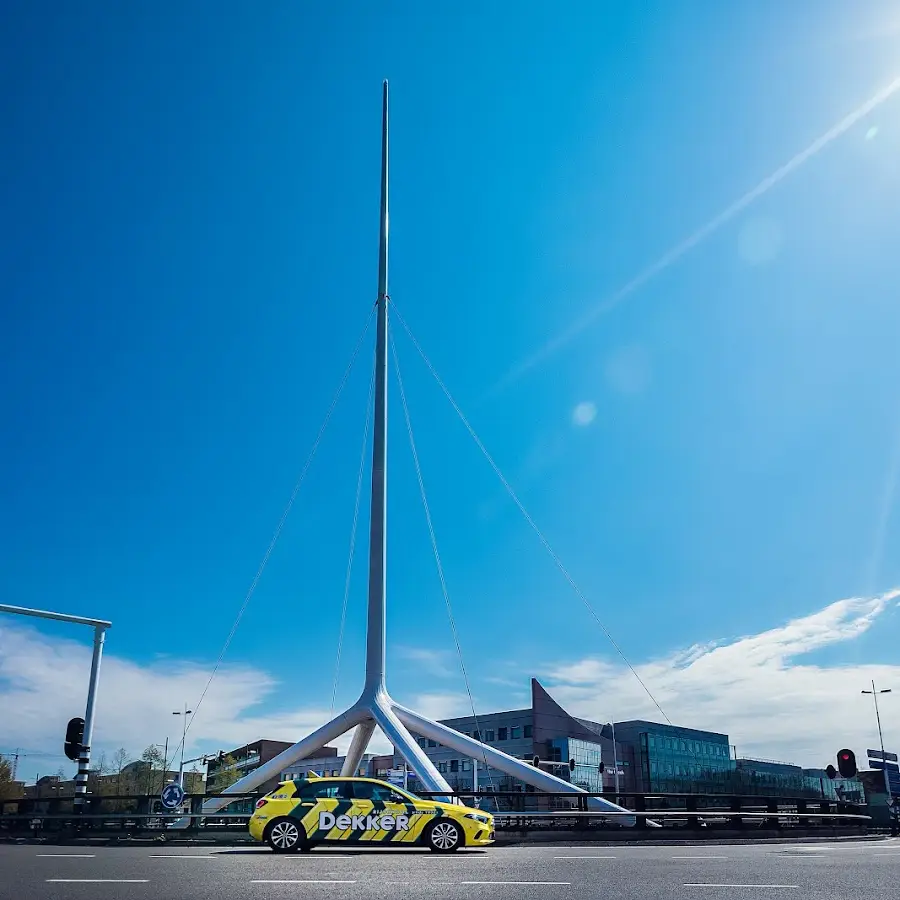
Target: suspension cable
434 548
283 519
546 544
353 531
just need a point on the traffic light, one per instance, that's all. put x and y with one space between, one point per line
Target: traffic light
847 763
571 765
831 772
74 737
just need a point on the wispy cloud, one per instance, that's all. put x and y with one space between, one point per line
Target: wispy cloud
43 683
439 663
757 688
761 689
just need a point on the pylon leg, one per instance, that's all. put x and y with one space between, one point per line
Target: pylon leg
499 760
358 745
406 745
303 748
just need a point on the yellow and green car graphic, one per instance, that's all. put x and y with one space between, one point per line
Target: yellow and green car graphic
311 810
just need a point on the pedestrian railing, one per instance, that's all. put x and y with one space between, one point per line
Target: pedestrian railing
513 811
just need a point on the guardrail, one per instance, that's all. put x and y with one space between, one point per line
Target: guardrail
536 811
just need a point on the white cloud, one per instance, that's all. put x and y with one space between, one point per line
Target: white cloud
438 663
43 683
756 688
447 705
584 413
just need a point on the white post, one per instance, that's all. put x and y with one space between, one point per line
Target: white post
475 776
615 758
84 757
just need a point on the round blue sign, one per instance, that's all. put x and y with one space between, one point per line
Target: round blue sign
172 795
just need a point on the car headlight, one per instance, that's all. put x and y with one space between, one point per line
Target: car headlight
479 818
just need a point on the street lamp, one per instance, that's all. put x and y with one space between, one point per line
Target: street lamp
875 694
185 713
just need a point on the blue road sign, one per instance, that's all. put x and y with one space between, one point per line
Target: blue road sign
877 754
172 795
890 766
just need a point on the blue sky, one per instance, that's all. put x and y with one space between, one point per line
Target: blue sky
189 252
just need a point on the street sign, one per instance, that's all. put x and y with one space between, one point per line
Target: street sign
877 754
172 795
890 766
395 776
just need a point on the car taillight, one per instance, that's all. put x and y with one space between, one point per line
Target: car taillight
261 803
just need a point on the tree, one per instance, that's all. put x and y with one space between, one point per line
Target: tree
119 761
153 755
225 774
9 789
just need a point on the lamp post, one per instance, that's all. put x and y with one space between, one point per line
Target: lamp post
875 694
612 725
184 713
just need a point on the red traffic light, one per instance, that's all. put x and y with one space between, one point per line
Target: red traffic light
847 763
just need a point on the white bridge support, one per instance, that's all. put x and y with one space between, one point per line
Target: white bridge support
375 706
517 768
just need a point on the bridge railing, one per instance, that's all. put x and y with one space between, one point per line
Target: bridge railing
513 811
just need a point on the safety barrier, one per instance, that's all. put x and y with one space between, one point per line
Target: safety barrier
513 812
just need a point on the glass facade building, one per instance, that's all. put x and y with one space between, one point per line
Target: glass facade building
682 760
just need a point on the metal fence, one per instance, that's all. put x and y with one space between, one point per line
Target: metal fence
514 811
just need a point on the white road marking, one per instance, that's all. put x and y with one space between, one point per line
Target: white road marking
699 857
559 883
295 881
67 855
704 884
97 880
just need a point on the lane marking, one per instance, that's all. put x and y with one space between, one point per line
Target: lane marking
296 881
699 857
705 884
97 880
66 855
556 883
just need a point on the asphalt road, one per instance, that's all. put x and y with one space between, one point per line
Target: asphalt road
827 871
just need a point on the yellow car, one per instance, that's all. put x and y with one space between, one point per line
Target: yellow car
311 810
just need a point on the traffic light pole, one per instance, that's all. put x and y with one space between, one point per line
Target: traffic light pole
84 757
99 626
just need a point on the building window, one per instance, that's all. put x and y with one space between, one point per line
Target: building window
454 765
476 735
423 742
466 765
528 731
442 767
432 743
502 734
515 732
489 734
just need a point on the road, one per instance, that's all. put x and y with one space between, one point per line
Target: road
827 871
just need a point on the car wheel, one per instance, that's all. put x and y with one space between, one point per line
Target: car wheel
444 837
283 836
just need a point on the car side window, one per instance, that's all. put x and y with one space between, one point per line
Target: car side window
331 790
377 793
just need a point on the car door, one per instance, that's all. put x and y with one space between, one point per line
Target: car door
319 804
399 819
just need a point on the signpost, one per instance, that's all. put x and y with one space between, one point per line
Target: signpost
172 795
887 763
